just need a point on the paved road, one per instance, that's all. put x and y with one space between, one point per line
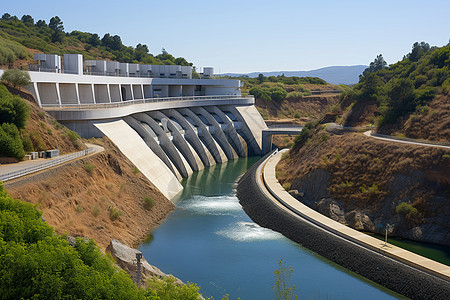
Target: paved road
8 168
408 141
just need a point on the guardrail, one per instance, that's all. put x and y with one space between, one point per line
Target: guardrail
398 138
48 164
139 101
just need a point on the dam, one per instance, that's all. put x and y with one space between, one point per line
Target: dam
168 123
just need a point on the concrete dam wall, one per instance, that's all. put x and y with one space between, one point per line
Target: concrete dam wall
169 144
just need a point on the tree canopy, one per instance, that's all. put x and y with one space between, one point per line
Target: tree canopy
51 38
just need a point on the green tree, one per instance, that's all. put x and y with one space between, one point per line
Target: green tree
13 109
261 78
58 29
281 288
10 142
16 77
378 64
27 20
6 17
56 24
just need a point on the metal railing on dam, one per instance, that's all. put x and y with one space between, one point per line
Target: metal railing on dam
46 165
141 101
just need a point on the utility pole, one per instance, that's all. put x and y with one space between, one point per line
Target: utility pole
138 268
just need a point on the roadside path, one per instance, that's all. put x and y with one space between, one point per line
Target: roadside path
406 140
16 170
268 182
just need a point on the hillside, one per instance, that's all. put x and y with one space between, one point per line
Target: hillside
21 38
101 196
334 75
367 183
408 98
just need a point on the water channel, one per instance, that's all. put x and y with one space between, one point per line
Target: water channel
210 240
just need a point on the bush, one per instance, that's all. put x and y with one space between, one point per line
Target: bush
114 213
27 143
406 209
13 109
278 94
148 203
36 139
294 96
89 168
36 263
10 142
16 77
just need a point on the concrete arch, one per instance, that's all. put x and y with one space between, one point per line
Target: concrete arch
165 143
179 141
250 124
204 133
229 130
191 136
217 132
146 135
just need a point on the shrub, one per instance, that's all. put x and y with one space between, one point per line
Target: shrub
89 168
10 142
406 209
287 186
13 109
297 115
36 139
148 203
27 143
136 170
114 213
294 96
16 77
95 211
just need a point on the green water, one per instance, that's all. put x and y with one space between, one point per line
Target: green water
210 240
435 252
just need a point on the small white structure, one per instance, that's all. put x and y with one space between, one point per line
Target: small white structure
48 62
73 64
124 69
134 70
96 67
112 68
208 73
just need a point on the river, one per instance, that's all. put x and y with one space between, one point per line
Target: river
209 240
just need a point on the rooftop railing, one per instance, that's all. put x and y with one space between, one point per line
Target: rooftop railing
140 101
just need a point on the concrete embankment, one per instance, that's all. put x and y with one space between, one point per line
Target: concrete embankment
383 270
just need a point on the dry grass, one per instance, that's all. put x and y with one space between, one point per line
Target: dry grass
361 169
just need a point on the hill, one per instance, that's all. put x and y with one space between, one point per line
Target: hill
335 75
364 182
20 38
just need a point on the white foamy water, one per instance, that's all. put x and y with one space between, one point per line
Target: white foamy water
249 232
220 205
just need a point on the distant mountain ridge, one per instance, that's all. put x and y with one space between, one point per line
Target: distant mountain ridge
333 75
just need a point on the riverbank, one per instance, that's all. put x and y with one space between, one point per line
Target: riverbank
385 271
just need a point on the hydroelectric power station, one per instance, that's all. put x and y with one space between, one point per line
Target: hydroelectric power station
165 121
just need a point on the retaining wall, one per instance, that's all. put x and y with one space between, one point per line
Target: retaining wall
385 271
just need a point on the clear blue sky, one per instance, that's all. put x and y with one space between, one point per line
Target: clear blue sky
245 36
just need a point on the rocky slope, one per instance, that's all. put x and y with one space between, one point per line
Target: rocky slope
362 182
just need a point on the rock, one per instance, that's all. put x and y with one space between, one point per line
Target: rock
330 208
125 257
359 221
